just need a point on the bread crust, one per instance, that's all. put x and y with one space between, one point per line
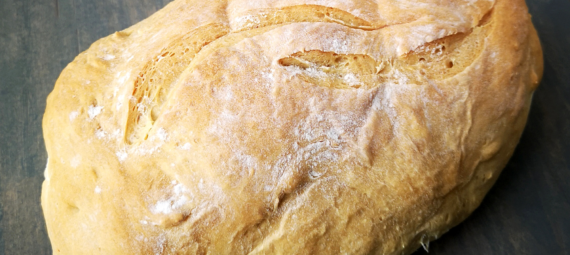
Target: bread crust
286 127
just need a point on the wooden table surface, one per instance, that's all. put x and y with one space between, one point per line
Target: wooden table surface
526 212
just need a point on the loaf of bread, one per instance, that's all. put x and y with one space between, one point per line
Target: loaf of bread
286 126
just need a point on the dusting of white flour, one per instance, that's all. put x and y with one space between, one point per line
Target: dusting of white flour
75 161
108 57
93 111
162 135
186 146
175 201
73 115
121 155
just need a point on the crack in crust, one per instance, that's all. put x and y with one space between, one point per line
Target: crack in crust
153 86
439 59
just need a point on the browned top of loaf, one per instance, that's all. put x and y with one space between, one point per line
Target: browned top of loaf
299 126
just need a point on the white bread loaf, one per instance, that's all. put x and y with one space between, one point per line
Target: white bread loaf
286 126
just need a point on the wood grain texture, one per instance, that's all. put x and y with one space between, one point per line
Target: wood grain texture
527 212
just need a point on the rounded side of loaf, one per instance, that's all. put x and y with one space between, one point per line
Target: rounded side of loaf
286 127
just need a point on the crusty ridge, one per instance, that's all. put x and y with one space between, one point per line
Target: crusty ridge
143 114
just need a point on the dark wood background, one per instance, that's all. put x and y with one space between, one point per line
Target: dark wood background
526 212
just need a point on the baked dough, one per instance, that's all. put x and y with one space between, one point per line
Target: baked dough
286 126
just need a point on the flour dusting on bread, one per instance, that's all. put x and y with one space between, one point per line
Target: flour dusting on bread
296 126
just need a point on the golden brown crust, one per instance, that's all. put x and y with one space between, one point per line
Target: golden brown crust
299 126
